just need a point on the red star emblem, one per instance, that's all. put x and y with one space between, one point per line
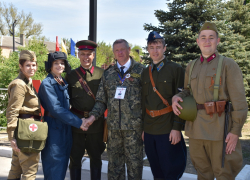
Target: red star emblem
208 27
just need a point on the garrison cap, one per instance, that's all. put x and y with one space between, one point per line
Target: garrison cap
55 56
209 26
28 55
86 45
153 36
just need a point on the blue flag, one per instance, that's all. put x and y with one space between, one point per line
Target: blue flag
72 47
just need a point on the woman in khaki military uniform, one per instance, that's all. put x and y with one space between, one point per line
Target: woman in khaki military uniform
23 104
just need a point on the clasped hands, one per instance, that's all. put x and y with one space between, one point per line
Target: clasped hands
86 122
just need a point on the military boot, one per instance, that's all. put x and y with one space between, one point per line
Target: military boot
95 173
75 174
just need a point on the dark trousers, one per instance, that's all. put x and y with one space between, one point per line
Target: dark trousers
93 143
167 161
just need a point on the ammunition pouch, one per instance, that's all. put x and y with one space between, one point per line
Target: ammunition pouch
220 107
31 135
215 107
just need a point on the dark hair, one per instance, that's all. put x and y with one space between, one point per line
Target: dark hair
118 41
22 61
162 41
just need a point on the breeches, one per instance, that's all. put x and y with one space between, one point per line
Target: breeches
206 157
93 143
25 164
125 147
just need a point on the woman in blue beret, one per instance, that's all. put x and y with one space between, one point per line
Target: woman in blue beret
54 97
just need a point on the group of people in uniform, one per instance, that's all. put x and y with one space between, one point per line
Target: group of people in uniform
144 105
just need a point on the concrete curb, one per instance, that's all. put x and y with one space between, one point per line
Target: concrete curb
147 175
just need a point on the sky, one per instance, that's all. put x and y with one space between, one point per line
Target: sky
115 18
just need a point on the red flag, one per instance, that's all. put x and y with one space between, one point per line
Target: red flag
57 44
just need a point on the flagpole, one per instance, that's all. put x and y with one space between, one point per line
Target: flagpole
93 23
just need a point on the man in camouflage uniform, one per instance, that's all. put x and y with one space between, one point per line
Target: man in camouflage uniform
124 114
206 132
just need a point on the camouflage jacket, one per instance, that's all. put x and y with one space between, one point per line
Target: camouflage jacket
123 114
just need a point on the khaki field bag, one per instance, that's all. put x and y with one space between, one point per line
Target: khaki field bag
31 135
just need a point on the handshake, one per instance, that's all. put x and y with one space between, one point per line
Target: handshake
87 122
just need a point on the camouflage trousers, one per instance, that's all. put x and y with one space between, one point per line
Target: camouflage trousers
125 147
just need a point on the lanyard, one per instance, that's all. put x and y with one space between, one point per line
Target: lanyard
122 80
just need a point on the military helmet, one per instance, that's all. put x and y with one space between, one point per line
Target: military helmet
189 109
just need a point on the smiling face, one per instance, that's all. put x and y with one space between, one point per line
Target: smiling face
58 67
28 68
121 52
207 42
156 51
86 58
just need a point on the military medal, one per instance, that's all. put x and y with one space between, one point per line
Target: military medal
127 76
131 79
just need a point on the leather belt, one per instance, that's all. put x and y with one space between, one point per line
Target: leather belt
47 113
200 106
83 113
25 116
154 113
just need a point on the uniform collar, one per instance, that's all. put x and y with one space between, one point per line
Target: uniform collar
210 58
159 65
23 77
127 65
90 70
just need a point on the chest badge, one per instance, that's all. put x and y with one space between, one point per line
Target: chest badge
127 76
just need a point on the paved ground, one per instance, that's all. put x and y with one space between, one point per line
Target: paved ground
5 167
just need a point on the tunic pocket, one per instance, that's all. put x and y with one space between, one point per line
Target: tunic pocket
165 87
193 80
145 86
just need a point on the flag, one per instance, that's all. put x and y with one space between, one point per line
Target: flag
64 49
72 47
57 44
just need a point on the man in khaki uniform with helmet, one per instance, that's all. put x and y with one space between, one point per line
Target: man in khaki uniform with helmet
206 131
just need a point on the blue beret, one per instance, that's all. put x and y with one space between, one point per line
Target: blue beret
153 35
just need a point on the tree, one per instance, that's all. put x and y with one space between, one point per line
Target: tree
180 26
104 54
136 52
25 22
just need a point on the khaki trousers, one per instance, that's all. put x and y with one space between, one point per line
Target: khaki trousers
206 157
25 164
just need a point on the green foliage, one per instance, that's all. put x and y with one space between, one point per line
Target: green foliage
104 54
25 23
180 26
136 53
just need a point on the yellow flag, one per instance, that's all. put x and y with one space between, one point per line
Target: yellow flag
64 49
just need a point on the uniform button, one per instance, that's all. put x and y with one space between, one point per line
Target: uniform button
165 81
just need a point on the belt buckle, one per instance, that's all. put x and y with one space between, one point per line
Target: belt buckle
152 114
89 93
85 114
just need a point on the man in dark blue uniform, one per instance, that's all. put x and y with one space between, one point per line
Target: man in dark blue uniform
164 144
